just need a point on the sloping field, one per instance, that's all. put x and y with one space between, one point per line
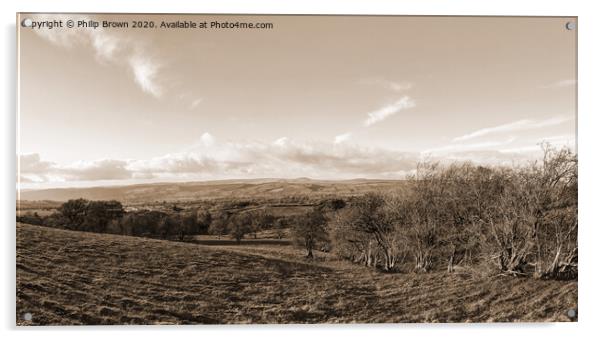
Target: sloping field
66 277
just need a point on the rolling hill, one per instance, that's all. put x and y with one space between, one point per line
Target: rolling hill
213 189
67 277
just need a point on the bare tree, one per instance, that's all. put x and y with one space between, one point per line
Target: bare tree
551 190
374 215
310 229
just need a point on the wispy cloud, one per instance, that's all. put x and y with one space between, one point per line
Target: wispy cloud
383 113
111 48
452 148
561 83
145 74
518 125
342 138
195 103
395 86
535 145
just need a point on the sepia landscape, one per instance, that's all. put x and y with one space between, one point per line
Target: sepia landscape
438 184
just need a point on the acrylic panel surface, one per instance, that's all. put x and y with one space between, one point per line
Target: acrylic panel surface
228 169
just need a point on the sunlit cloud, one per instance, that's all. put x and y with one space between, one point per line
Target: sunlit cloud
342 138
387 111
210 159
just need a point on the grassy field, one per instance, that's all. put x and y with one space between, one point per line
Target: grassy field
66 277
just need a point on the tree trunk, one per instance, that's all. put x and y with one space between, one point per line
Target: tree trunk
309 245
450 264
389 260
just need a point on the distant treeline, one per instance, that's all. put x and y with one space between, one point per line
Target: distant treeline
109 216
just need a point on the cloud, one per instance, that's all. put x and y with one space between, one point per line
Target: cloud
32 168
213 160
108 47
105 45
207 139
32 164
104 169
281 141
535 145
519 125
342 138
341 159
452 148
561 83
383 113
195 103
28 180
210 159
145 74
394 86
174 164
488 157
399 86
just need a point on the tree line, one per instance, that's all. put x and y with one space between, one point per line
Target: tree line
178 224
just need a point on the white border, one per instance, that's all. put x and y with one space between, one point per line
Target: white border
590 233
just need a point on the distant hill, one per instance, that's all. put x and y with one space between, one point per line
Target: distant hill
214 190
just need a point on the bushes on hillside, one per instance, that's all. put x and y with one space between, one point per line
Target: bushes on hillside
240 224
518 220
109 217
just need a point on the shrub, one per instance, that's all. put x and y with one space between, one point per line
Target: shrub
520 220
310 230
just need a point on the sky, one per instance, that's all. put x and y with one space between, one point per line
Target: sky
324 97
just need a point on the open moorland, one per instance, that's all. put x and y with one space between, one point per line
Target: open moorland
224 189
69 277
453 243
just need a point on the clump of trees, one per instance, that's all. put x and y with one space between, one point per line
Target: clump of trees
90 216
368 231
240 224
519 221
110 217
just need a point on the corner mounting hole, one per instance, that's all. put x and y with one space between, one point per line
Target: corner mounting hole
571 313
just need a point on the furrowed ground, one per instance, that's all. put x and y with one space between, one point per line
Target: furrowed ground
66 277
